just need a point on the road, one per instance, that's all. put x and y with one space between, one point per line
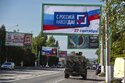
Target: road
48 76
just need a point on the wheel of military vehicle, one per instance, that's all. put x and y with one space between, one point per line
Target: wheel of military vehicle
66 75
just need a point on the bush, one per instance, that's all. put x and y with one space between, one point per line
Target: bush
116 80
29 60
102 74
53 60
43 60
18 54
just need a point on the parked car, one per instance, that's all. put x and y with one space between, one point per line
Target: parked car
94 67
8 65
60 65
98 69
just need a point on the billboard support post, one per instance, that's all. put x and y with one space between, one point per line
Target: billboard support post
102 49
38 58
47 61
108 66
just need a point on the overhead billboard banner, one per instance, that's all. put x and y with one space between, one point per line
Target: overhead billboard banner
83 42
62 54
71 19
50 51
18 39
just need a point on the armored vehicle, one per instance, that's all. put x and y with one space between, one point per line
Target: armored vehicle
76 65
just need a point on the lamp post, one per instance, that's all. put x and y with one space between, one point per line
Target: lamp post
107 37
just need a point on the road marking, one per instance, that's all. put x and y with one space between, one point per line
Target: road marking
21 77
57 81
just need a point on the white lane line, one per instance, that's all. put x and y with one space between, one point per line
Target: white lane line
57 81
31 76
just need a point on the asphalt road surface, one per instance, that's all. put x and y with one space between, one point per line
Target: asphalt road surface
52 76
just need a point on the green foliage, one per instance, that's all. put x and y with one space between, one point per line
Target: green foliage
18 54
43 60
38 41
57 44
53 60
102 74
118 29
116 14
28 57
2 34
41 40
116 80
51 42
2 42
98 54
15 54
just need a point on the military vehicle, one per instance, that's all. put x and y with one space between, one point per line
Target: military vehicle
76 65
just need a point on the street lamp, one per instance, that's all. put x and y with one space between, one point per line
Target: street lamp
107 37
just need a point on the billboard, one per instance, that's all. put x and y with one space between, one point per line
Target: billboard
62 54
18 39
83 42
50 51
71 19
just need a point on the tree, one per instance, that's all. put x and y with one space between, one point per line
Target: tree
41 39
117 22
51 42
2 43
116 14
53 60
38 42
98 54
43 60
2 35
34 45
57 44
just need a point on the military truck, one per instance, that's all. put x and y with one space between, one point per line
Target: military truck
76 65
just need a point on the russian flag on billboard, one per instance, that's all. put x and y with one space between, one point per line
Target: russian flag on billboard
54 51
46 50
66 20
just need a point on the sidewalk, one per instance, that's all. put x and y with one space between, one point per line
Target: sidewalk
101 78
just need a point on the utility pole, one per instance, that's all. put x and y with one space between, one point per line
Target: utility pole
102 49
107 37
